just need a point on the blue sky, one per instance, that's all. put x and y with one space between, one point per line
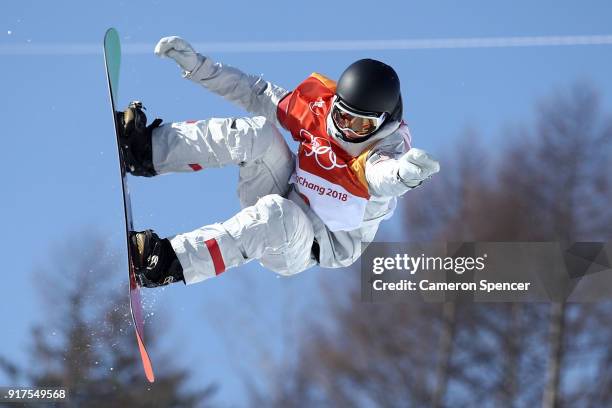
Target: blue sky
59 170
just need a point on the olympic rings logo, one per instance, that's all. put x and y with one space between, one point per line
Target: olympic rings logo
324 154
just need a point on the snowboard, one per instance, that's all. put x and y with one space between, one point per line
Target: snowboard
112 60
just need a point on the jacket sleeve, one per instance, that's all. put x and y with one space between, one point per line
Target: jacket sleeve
251 92
382 167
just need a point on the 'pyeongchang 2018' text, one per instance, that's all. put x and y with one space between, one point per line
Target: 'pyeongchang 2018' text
322 190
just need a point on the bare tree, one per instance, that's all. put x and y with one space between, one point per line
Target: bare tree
564 176
86 344
551 182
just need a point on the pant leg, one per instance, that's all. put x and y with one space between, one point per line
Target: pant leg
274 230
254 144
216 142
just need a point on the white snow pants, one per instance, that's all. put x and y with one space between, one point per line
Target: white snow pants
269 228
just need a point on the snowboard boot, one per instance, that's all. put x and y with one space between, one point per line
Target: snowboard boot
135 140
155 262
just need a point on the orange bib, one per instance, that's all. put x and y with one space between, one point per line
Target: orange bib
331 181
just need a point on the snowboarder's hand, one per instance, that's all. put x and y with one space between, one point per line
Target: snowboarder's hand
416 166
179 50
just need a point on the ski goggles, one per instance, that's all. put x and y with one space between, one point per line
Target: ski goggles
355 124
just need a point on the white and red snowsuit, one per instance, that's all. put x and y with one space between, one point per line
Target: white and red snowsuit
333 193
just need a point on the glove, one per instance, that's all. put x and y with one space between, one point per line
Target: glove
179 50
415 167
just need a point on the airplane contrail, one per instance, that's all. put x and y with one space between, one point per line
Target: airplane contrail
30 48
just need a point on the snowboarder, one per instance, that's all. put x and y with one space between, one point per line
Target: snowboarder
317 207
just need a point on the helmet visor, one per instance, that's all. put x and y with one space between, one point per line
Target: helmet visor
353 124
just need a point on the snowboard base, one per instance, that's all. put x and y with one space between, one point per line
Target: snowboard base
112 60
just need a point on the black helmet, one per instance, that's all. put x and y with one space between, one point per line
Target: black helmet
371 86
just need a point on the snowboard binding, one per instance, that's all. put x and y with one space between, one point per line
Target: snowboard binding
135 140
155 263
